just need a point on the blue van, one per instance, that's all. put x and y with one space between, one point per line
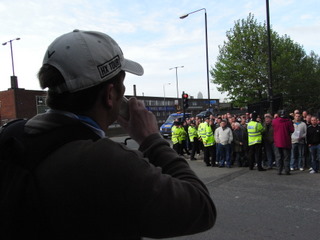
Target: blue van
165 128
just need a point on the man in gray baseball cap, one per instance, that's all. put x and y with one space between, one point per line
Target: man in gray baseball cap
94 188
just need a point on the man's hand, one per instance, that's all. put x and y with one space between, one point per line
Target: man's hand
141 122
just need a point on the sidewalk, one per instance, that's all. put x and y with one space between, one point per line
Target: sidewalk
212 174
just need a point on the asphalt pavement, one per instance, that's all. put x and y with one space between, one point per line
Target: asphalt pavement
255 205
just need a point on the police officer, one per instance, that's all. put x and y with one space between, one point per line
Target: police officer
208 143
175 132
255 130
184 138
201 133
193 137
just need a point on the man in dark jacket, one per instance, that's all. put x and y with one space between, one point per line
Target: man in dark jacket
101 189
268 142
313 142
282 130
240 142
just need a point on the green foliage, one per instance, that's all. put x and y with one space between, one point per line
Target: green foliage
242 69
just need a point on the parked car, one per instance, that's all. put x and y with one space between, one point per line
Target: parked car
204 114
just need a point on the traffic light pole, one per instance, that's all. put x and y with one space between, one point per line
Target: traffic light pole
185 104
183 107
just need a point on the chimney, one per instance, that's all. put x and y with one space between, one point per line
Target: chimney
14 82
134 91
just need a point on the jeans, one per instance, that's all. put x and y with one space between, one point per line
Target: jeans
315 156
218 154
283 159
184 146
297 155
225 154
307 156
269 150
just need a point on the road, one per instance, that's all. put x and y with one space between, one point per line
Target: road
256 205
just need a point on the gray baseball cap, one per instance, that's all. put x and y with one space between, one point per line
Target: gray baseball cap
86 59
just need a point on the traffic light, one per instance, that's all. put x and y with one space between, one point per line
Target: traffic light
185 100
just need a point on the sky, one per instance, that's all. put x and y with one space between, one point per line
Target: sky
149 32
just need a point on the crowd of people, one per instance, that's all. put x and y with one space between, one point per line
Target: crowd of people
285 142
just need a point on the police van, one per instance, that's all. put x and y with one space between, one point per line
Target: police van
165 128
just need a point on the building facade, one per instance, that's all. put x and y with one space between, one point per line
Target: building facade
163 107
20 103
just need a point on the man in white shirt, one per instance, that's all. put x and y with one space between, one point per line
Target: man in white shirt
223 136
298 143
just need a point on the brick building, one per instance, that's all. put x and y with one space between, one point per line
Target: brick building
20 103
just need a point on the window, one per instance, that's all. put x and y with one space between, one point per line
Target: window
41 100
41 104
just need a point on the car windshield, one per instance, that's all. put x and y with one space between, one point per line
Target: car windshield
170 119
204 113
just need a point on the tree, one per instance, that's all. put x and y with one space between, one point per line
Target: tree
241 69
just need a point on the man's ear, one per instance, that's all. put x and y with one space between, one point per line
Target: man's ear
108 96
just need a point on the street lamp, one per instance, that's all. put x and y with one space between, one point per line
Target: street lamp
5 43
206 36
14 82
164 92
177 78
164 97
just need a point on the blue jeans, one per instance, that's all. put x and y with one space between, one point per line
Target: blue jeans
269 150
218 154
315 156
225 154
297 156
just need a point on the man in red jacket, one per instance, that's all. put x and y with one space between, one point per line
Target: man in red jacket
282 130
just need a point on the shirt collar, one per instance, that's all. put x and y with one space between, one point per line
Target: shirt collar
84 119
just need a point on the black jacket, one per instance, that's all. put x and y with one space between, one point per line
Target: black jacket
313 135
103 190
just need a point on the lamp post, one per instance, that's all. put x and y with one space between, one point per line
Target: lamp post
177 78
164 97
206 36
164 92
14 83
270 92
5 43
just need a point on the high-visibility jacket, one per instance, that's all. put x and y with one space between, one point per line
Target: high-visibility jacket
193 133
208 140
182 135
255 130
175 131
202 130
